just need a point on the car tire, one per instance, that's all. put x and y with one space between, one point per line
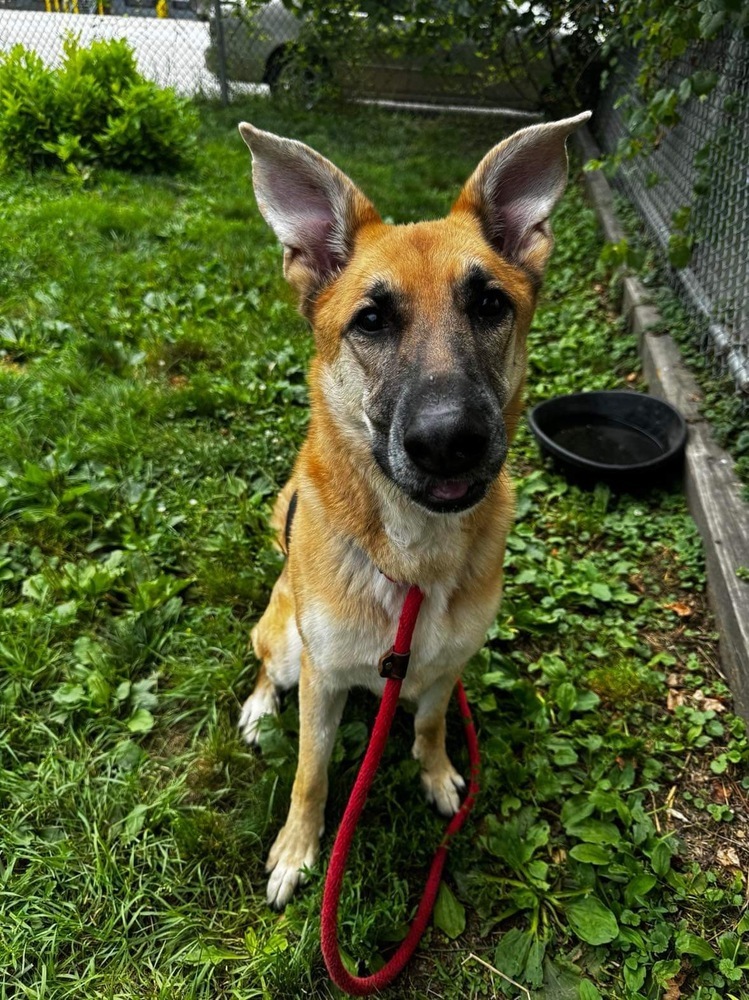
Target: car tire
290 80
278 70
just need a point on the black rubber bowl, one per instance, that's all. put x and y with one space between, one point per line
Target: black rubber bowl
629 440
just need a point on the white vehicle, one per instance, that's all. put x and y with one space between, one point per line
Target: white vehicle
259 40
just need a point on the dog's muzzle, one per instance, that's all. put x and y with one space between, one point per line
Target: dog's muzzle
447 443
446 440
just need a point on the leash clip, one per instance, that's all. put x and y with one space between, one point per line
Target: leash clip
394 665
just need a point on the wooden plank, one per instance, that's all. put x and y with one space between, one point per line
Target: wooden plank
713 491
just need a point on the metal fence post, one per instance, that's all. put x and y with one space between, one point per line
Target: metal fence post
221 53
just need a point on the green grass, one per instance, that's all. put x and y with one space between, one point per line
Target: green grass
152 397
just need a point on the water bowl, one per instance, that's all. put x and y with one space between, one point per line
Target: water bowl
627 439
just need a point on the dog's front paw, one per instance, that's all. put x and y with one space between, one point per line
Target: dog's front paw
263 701
296 849
443 786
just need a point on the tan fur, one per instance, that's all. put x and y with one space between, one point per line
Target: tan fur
333 610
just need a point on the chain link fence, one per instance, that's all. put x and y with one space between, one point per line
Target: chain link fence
176 42
225 48
702 163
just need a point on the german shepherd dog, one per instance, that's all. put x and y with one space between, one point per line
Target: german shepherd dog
415 393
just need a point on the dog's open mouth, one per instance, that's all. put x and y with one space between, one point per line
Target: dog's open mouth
450 496
450 489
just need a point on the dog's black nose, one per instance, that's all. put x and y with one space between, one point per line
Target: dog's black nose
446 440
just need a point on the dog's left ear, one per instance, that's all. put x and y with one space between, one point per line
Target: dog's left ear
312 207
515 187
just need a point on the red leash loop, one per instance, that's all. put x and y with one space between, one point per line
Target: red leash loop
363 986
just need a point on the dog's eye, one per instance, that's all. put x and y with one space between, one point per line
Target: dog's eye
370 320
490 304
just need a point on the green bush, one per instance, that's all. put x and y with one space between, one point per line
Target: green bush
95 108
28 109
150 129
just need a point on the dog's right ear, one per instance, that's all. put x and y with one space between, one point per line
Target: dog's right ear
311 206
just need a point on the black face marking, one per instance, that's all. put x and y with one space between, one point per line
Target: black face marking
483 300
383 311
445 441
434 388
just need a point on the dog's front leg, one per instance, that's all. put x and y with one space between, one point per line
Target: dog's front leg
441 781
297 845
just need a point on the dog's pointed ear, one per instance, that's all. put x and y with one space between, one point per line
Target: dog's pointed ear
312 207
515 187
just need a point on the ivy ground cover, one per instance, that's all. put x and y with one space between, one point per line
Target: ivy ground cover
152 397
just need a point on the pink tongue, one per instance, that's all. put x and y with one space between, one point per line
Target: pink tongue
449 491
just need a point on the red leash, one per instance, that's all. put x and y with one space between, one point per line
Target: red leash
393 666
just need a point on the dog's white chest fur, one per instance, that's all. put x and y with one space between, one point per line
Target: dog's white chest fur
346 652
